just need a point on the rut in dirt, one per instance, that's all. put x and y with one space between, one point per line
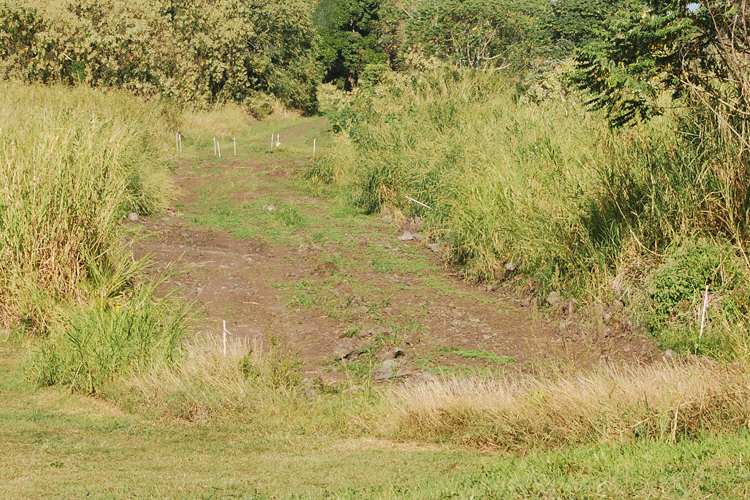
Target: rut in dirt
280 262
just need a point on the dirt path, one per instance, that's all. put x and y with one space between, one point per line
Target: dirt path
264 251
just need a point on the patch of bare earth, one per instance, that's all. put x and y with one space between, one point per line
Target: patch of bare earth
250 285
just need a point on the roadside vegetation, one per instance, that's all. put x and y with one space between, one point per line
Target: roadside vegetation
644 205
486 132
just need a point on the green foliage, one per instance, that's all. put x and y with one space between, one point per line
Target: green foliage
677 289
477 34
192 52
348 39
581 21
692 50
108 337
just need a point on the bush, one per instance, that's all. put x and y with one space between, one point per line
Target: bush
677 289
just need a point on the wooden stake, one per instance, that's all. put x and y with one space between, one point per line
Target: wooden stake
224 334
703 314
234 141
418 202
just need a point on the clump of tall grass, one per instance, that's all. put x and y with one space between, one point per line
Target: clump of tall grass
253 380
670 402
91 344
73 163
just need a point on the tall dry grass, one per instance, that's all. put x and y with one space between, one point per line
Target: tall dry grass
256 383
251 378
668 401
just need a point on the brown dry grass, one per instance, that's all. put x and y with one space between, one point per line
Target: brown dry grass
666 401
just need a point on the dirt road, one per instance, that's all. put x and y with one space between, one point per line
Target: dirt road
279 260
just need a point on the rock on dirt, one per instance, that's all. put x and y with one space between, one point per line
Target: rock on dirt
387 370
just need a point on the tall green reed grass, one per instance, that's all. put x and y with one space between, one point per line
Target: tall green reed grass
73 163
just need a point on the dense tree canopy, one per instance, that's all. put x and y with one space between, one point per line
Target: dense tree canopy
348 38
196 51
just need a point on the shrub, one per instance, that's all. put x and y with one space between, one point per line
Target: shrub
677 289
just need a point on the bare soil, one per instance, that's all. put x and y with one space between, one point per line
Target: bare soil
342 291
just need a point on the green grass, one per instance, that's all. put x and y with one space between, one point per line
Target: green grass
245 426
478 354
56 445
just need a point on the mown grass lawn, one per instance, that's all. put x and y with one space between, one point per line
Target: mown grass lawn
56 445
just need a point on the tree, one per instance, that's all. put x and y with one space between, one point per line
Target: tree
697 53
196 51
348 39
477 33
580 21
